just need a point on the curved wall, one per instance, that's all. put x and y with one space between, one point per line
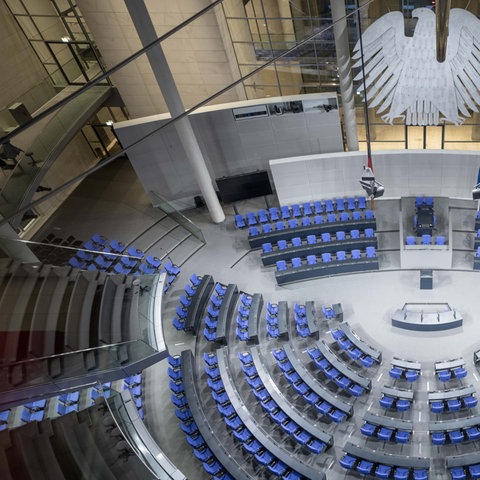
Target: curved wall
438 173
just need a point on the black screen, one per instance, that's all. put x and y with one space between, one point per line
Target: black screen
246 185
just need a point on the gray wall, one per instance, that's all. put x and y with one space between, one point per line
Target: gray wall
229 146
437 173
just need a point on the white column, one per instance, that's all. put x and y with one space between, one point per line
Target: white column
146 32
344 63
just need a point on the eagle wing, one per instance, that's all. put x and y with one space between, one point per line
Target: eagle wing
463 57
384 44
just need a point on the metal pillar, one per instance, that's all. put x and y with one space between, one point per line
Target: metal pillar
442 12
344 63
146 32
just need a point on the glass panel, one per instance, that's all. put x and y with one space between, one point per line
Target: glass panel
15 6
28 27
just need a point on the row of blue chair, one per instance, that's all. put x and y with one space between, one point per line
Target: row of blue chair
278 415
379 470
385 434
352 350
453 404
448 374
462 473
300 210
249 443
311 397
301 323
308 221
271 316
342 381
398 373
425 240
313 239
4 416
392 403
243 316
179 321
455 436
326 257
193 436
213 310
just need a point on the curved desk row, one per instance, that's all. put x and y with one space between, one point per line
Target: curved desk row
398 393
325 269
464 460
310 316
406 364
451 393
389 422
302 232
359 343
273 390
317 249
426 322
282 316
214 443
313 384
245 416
456 424
226 313
199 301
384 458
449 364
344 369
254 317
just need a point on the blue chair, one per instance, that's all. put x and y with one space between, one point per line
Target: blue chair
337 416
340 202
99 240
370 252
251 218
460 372
306 221
282 244
318 219
348 461
385 434
273 332
272 308
316 446
341 255
296 212
326 237
362 203
85 256
331 217
253 231
402 436
239 221
76 263
474 470
178 323
307 208
318 207
273 214
387 402
326 257
402 405
368 429
457 473
296 262
401 473
354 234
395 373
212 311
350 203
469 401
212 467
383 471
456 436
410 240
311 259
440 240
344 217
281 265
279 226
365 467
453 405
340 235
356 253
292 223
285 212
356 215
473 433
296 242
264 457
311 397
444 375
311 239
262 216
117 246
324 408
195 279
412 375
329 206
429 201
437 407
252 446
209 334
356 390
277 467
211 323
186 302
369 215
266 228
426 239
267 247
369 233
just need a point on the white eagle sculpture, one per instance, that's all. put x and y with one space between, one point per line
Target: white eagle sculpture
403 76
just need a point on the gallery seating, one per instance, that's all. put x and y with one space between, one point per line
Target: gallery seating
387 428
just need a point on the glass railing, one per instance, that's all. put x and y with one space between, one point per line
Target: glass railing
162 204
46 376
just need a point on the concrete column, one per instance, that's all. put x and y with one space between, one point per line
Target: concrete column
344 63
146 32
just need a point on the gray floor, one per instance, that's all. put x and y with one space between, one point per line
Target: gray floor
114 204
